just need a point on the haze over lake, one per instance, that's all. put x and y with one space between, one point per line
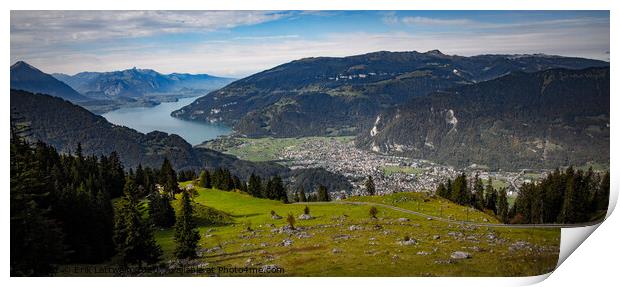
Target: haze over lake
148 119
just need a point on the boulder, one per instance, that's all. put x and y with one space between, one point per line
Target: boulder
460 255
355 227
411 241
286 242
305 217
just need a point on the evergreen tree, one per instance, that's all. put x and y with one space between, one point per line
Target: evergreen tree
36 239
502 205
601 195
133 235
168 178
237 183
302 195
491 198
278 190
323 195
373 212
460 190
478 197
160 210
139 179
442 191
370 186
186 235
255 186
204 180
569 212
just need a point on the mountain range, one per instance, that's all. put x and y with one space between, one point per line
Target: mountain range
102 92
28 78
341 96
137 83
545 119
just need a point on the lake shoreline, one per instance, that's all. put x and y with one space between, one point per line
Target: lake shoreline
158 117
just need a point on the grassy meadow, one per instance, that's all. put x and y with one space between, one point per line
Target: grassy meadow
238 230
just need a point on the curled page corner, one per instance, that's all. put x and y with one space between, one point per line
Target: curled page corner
573 237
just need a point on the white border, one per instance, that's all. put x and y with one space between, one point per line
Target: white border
601 254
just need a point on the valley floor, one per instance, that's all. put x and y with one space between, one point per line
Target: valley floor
340 155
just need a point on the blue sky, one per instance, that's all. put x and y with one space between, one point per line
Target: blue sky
239 43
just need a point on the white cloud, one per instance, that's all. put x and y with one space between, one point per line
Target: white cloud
434 21
52 27
241 55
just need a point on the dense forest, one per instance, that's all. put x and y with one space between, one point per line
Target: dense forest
62 212
569 196
562 197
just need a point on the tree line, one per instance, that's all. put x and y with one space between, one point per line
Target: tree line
561 197
272 188
475 194
568 196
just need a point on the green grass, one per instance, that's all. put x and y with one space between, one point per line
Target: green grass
498 184
269 149
391 169
423 203
372 251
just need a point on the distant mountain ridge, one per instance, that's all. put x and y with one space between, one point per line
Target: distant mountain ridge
136 83
546 119
338 96
28 78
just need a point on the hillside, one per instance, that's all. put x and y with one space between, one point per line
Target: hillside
63 125
356 245
337 96
523 120
28 78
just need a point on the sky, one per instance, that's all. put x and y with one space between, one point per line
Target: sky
240 43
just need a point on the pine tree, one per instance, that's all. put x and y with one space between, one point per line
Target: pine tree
490 201
278 190
302 195
601 195
568 213
460 190
186 235
502 205
36 239
168 178
370 186
255 185
205 179
132 234
373 212
160 210
323 195
442 191
478 197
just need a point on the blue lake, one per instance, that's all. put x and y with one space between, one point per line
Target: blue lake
148 119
